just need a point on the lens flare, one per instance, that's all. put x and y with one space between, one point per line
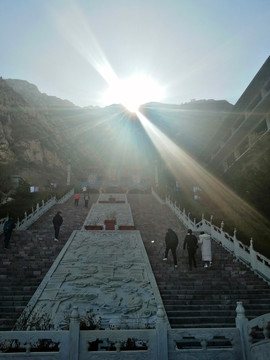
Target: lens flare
133 92
189 173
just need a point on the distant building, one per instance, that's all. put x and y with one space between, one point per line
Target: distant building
244 126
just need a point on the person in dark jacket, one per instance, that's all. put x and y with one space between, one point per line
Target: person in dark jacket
8 228
171 241
57 222
191 242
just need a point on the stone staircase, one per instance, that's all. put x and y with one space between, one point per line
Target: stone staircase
31 254
200 298
197 298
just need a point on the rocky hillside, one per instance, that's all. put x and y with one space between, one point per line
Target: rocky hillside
26 140
39 134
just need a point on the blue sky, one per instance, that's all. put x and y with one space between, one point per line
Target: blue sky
195 49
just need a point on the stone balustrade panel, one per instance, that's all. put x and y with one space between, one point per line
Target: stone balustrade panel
115 197
66 197
30 342
258 330
208 344
146 339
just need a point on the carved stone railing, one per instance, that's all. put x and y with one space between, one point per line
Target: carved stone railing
66 197
255 334
157 197
36 213
259 337
186 344
160 343
254 260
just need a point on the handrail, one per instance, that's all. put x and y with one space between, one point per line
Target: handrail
36 213
253 259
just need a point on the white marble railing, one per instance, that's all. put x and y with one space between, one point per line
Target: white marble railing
259 337
157 197
160 343
257 262
186 344
36 213
66 197
255 335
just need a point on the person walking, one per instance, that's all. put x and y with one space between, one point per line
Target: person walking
205 242
191 242
76 199
8 228
171 241
57 222
86 199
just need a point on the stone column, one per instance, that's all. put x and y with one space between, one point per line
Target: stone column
74 334
241 324
161 329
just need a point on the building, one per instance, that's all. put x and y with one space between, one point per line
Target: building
244 126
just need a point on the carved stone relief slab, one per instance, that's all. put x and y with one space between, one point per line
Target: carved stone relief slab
100 212
116 197
106 274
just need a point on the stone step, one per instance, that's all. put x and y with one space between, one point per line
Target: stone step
176 313
194 320
6 324
200 290
216 307
197 295
213 289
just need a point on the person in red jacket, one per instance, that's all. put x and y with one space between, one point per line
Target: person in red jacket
76 198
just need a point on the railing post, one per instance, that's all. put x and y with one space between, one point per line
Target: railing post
161 329
235 244
241 324
253 257
74 334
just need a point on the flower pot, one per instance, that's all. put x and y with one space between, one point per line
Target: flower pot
93 227
126 227
109 224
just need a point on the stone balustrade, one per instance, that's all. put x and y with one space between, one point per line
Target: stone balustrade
66 197
159 343
259 337
254 260
36 213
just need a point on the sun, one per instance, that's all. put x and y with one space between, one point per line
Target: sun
133 92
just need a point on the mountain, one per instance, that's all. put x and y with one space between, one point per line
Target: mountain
40 134
190 125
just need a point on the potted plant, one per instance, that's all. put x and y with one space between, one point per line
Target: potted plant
110 221
94 225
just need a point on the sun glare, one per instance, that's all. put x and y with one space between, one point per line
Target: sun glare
133 92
